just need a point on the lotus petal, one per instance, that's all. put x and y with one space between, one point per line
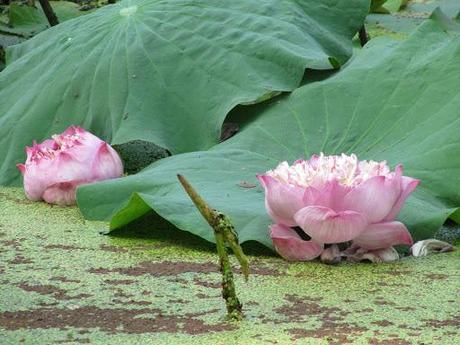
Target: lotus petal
375 197
327 226
291 247
384 235
426 247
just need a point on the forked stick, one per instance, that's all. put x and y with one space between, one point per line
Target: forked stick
225 234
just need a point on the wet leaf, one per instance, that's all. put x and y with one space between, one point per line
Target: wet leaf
27 21
394 101
167 72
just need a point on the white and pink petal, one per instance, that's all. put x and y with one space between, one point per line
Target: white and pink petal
282 200
62 193
384 235
374 198
408 185
106 164
328 226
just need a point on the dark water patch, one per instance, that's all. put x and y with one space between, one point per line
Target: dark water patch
48 304
366 310
252 303
436 276
158 269
207 284
119 281
132 302
116 320
56 292
454 322
15 244
335 334
262 271
332 327
64 247
299 308
74 341
382 323
414 334
178 301
65 280
348 300
122 294
405 308
20 260
393 341
381 301
174 268
203 296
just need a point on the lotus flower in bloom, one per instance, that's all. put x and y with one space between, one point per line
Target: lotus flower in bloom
55 167
335 199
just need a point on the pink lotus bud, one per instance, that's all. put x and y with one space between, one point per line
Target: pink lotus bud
336 199
55 167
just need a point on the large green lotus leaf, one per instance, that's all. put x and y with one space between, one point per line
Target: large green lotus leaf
395 101
167 72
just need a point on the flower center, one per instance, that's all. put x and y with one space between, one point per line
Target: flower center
347 170
65 141
49 150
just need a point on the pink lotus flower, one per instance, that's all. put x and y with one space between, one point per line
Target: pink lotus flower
55 167
335 199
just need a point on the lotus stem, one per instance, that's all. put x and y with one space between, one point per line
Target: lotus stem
50 15
363 36
225 235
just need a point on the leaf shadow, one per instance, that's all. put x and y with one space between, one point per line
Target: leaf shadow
157 230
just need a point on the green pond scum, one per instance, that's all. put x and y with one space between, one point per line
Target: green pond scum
64 283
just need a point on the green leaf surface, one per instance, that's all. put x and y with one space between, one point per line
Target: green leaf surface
394 101
167 72
387 6
450 7
377 6
395 5
27 20
402 23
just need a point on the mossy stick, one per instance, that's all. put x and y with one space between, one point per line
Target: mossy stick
224 233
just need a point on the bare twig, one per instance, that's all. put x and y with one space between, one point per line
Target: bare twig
224 233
